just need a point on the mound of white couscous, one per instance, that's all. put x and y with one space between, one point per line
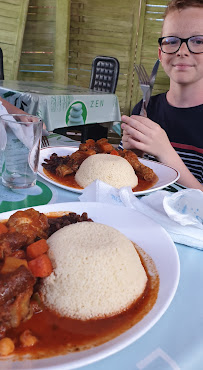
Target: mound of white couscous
114 170
97 272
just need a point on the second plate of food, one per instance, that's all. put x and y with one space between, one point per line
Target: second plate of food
166 175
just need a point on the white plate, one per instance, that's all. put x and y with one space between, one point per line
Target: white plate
167 175
149 236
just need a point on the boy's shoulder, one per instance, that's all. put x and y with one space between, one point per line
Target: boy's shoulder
158 99
154 101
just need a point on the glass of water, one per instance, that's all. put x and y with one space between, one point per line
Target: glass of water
20 144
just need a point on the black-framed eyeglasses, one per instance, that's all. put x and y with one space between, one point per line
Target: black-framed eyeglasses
171 44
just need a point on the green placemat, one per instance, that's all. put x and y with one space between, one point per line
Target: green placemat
39 194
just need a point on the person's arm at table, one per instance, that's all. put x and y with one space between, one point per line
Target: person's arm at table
11 108
143 134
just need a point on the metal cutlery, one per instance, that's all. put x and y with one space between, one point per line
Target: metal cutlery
146 84
45 141
145 87
154 73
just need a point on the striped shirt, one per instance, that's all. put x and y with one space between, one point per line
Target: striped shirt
184 127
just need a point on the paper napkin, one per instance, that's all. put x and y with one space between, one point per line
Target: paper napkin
181 213
3 136
23 133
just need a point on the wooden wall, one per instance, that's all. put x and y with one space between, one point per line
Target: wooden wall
37 56
13 14
103 28
62 37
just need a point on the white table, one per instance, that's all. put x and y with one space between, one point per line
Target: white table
176 340
53 103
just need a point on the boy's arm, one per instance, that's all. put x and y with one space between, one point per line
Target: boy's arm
186 177
143 134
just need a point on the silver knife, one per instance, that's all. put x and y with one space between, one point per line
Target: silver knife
152 81
154 73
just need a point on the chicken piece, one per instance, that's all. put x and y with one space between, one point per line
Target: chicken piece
141 170
74 162
63 170
114 152
102 140
14 283
16 288
103 146
90 152
89 144
11 242
54 161
145 173
30 223
131 158
122 152
78 157
13 313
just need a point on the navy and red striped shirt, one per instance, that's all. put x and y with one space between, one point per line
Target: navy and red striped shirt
184 127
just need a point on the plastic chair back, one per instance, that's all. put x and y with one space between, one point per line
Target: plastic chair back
1 65
104 75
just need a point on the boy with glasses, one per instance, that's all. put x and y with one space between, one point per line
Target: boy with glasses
173 129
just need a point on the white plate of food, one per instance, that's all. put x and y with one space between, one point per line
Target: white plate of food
155 242
166 175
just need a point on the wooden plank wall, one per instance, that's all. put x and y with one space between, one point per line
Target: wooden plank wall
96 28
37 58
62 36
103 28
127 30
13 14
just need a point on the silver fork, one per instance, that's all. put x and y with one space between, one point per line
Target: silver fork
45 141
145 87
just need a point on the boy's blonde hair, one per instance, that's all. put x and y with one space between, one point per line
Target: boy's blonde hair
182 4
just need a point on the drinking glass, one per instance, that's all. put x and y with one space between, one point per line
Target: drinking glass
20 142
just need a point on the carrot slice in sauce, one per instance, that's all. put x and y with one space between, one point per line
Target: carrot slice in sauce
37 249
41 266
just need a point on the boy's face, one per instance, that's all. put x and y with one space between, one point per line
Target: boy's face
183 67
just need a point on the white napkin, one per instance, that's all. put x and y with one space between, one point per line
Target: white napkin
23 133
181 213
3 136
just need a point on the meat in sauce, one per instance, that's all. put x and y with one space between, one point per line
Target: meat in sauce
16 289
63 166
26 326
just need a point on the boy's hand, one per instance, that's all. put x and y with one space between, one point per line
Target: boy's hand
143 134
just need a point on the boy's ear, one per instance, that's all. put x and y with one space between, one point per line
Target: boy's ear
159 54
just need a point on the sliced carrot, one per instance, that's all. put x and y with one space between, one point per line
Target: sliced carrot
41 266
114 152
3 228
12 263
36 249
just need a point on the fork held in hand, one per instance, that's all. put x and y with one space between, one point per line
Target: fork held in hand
145 86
